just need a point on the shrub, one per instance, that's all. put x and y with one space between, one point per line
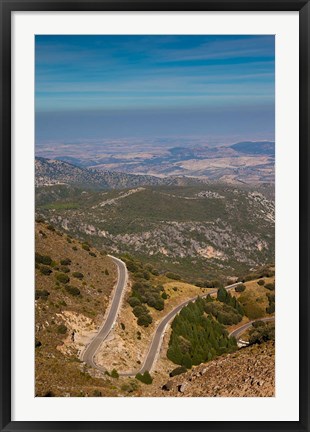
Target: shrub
270 286
43 259
209 284
50 227
155 302
214 284
139 310
130 387
271 308
123 326
85 247
131 266
92 254
173 276
261 282
146 275
65 261
177 371
63 278
106 272
114 373
145 378
78 275
240 288
64 269
159 304
62 329
97 393
45 270
72 290
209 299
253 311
49 394
145 320
164 295
74 248
37 343
224 313
258 323
271 299
134 301
41 294
262 333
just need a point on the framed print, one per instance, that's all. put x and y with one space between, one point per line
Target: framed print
154 215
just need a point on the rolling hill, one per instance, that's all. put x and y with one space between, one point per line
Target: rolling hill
50 172
195 230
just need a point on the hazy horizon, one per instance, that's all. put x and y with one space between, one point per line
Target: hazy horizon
217 88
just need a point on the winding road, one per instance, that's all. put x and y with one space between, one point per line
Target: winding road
238 332
160 331
90 351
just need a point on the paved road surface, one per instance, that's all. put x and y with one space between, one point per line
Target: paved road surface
159 332
89 353
238 332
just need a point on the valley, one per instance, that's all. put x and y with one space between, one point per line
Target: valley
181 239
218 227
248 162
76 318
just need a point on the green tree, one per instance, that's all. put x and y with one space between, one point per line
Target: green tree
145 378
63 278
114 373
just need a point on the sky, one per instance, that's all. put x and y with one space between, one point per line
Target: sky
94 87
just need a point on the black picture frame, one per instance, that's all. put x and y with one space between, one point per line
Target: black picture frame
7 7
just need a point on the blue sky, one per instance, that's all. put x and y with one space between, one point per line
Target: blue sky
118 86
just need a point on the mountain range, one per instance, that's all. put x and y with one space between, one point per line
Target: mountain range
249 162
56 172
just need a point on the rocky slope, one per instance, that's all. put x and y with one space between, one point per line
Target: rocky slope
218 226
249 372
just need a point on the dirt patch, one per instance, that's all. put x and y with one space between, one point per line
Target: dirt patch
81 331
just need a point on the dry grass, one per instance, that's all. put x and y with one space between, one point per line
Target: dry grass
254 299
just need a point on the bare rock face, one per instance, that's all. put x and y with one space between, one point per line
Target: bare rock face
182 387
